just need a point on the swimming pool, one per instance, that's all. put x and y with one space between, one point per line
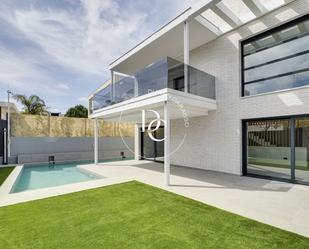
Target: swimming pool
44 176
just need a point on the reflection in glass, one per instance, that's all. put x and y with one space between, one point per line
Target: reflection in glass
276 84
160 145
201 84
153 150
152 78
165 73
281 67
277 60
124 89
148 150
101 99
302 149
268 148
284 34
279 51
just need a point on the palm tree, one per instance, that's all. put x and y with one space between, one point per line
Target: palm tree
32 105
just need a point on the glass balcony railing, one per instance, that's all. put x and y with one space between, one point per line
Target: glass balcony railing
166 73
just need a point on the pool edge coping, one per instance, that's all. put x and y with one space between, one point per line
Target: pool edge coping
8 198
86 170
9 184
11 180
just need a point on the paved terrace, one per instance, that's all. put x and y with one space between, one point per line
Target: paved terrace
279 204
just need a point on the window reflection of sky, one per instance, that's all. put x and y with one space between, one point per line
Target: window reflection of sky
291 81
285 49
267 51
281 67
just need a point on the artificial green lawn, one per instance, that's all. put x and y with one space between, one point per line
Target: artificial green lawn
4 173
133 215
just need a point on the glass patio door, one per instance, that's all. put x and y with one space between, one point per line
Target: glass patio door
302 149
278 149
269 148
150 149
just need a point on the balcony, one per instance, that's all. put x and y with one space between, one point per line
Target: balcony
166 73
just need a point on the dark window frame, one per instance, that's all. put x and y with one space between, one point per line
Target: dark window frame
261 35
291 119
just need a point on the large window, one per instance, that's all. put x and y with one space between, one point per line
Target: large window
278 148
277 59
269 148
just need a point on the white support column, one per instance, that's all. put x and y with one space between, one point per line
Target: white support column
186 53
96 141
9 130
135 87
137 142
112 84
167 134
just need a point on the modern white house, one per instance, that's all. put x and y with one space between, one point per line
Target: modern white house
224 86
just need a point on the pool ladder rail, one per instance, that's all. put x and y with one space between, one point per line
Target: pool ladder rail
51 161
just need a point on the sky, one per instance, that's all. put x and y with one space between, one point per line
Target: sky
60 49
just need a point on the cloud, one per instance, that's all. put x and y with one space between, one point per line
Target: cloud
64 47
63 86
82 40
92 36
23 75
83 100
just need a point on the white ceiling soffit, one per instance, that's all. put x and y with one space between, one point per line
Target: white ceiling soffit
208 19
169 44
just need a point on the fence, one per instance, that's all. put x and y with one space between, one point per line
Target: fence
49 126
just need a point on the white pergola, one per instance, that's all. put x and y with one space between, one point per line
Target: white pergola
194 27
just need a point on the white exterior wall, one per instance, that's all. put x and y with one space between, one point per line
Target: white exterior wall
214 142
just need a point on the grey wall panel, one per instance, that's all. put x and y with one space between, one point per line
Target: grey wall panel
46 145
36 149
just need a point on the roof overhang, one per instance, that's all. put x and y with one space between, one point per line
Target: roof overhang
207 20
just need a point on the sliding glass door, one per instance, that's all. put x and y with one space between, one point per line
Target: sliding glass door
277 148
150 149
268 148
302 149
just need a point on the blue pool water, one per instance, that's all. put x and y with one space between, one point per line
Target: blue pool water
44 176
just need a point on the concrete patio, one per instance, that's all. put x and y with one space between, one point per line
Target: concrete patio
279 204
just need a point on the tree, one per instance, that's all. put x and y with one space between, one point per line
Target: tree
78 111
32 104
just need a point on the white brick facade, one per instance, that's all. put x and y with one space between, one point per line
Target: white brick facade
214 142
